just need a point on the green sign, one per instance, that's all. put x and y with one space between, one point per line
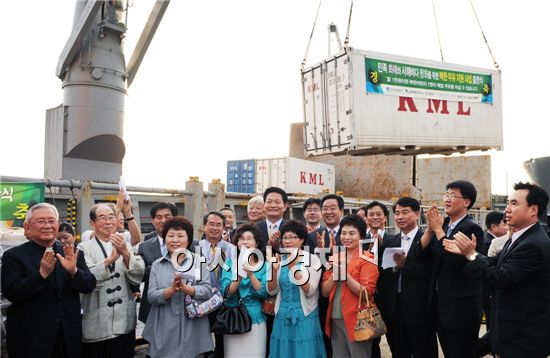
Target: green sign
15 199
399 79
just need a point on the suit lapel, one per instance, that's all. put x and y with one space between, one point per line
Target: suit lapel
458 227
414 244
503 251
263 228
156 247
509 246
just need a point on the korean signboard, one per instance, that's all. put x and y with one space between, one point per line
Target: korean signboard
399 79
16 198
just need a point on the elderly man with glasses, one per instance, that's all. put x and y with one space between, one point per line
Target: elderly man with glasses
109 318
42 279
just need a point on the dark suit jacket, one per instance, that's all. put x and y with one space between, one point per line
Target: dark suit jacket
520 275
415 284
458 295
312 238
150 251
262 225
150 236
40 306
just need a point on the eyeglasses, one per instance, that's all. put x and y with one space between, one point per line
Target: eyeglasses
50 222
289 238
452 196
330 208
104 219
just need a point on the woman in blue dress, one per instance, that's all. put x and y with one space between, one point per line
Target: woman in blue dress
251 290
296 274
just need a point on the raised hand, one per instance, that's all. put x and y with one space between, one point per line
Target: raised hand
177 284
450 246
275 240
69 259
113 257
321 239
277 263
118 241
47 264
466 246
123 205
435 221
331 240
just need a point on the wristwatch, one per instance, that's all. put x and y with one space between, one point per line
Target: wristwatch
472 257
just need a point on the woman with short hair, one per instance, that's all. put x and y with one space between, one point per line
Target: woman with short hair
296 328
251 290
362 273
169 332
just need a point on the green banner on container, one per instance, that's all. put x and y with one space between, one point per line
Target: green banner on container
399 79
16 198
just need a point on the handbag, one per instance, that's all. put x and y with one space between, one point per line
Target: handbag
369 324
232 320
268 305
197 309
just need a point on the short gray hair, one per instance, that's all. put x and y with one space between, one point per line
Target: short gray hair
258 199
41 206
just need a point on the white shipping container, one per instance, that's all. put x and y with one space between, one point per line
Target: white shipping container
294 175
364 102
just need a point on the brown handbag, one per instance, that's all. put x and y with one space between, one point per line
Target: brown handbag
268 305
369 324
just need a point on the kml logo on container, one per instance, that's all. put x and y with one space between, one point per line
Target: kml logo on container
304 176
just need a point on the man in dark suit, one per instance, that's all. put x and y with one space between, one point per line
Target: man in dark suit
152 249
377 217
403 290
455 296
520 275
496 227
328 236
275 205
332 210
42 279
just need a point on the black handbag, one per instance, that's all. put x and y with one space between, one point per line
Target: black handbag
232 320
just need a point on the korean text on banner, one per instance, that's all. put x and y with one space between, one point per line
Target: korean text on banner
16 198
399 79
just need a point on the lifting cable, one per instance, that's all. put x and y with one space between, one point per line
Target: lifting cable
346 41
51 192
483 34
437 30
311 35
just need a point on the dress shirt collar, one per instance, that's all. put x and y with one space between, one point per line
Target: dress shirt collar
517 234
411 233
277 224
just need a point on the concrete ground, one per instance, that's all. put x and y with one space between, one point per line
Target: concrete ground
384 348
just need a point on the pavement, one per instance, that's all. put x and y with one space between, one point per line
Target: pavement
384 348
